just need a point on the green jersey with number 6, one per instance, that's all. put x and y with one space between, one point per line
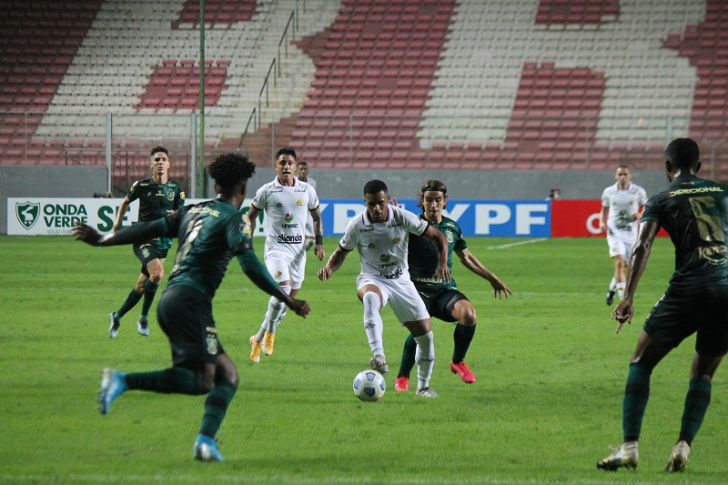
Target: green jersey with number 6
694 212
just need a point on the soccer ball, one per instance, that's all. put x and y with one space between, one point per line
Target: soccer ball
369 385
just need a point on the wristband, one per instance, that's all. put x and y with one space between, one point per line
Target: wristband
319 240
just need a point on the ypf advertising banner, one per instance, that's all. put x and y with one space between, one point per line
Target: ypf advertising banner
56 216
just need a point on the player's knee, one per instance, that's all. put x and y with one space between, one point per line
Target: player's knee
370 301
156 278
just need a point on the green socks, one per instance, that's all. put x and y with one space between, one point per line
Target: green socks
216 406
462 336
636 394
178 380
408 357
175 380
696 404
150 290
130 302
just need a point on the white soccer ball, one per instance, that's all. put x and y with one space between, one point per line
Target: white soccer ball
369 385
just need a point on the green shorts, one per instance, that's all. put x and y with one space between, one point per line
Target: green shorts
148 251
441 302
678 315
185 316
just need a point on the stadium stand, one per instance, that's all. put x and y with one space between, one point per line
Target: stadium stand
553 84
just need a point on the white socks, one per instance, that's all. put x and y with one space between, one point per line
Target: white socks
620 290
276 311
373 322
612 284
425 358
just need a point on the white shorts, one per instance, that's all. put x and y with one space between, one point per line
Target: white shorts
282 268
401 294
618 246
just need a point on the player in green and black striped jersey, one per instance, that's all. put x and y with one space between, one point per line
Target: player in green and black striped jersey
158 196
210 234
694 212
442 299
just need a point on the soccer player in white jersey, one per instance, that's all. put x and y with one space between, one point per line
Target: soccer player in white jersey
381 235
303 177
621 211
287 203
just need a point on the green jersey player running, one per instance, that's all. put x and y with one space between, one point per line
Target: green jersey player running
694 212
158 196
442 298
210 234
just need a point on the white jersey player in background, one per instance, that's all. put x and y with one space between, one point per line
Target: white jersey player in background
303 177
381 235
287 203
621 212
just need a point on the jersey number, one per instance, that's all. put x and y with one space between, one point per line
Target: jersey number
709 224
191 233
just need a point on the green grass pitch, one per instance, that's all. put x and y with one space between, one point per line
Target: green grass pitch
546 405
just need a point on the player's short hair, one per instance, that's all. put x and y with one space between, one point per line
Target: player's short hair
683 153
302 163
623 166
157 149
286 151
230 169
375 186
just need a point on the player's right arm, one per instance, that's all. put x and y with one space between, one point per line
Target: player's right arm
637 264
123 208
253 214
139 232
603 215
334 263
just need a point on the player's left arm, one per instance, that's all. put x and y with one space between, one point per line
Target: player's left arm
637 264
318 232
443 272
473 264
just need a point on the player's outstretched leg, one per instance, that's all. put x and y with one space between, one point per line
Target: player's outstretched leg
113 385
626 456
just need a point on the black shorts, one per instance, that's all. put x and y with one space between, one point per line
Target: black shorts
148 251
678 315
185 316
440 303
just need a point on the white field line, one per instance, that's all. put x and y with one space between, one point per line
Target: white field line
519 243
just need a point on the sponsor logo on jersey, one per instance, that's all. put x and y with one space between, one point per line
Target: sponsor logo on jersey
277 274
396 240
286 239
699 190
384 257
390 276
713 254
27 213
289 217
170 194
366 229
300 202
289 222
449 235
